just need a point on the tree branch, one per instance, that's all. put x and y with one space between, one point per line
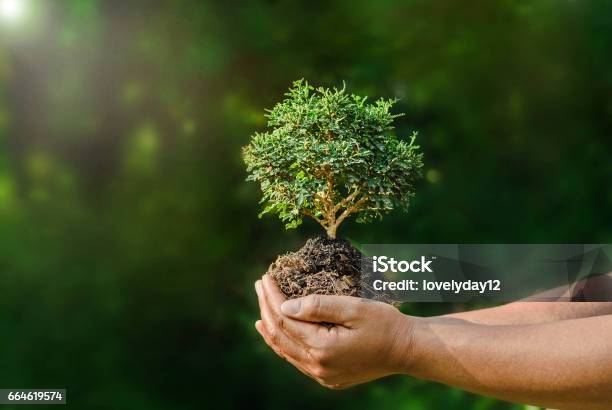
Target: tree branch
330 189
321 199
346 200
350 210
313 216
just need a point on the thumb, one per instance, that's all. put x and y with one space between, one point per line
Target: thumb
323 308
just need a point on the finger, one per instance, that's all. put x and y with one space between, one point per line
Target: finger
342 310
275 334
262 331
300 331
272 290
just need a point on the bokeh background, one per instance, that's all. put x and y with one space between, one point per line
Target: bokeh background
129 241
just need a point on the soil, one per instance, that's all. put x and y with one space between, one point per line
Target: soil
325 266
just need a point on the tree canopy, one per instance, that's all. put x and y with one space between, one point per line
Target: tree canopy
329 154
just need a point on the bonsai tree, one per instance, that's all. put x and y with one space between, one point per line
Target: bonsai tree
328 155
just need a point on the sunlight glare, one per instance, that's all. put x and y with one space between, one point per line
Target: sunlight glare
11 10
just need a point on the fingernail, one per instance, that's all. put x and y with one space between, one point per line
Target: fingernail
291 307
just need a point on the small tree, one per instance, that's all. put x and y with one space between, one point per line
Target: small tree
328 155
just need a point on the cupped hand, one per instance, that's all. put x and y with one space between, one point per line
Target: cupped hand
368 339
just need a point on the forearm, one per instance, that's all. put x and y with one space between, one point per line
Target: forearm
531 312
525 313
562 365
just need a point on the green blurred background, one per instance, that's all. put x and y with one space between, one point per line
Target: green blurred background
129 241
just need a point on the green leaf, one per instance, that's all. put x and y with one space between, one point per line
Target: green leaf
315 136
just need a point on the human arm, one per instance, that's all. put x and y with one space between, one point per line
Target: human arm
527 313
563 365
542 308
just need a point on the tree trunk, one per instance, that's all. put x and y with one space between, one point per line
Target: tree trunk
331 231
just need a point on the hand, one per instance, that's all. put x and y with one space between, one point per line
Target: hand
369 339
